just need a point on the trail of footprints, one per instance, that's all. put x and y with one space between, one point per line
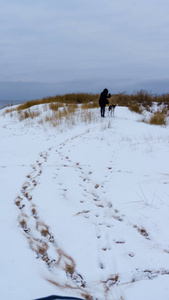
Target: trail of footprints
42 241
39 236
96 216
92 197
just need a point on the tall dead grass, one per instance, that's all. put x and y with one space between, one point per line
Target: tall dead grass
88 101
54 106
22 115
78 107
80 98
158 118
136 107
70 115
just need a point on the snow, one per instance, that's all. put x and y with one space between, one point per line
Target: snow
92 200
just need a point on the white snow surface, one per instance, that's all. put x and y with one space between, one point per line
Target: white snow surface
84 210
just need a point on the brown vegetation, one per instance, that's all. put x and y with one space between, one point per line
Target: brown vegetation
136 108
158 118
141 97
78 107
62 99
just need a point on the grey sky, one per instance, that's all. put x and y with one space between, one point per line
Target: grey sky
61 46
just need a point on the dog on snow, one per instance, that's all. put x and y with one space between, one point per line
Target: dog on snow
111 109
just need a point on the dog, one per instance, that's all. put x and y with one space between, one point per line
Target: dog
111 109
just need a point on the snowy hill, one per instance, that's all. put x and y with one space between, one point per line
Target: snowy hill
84 210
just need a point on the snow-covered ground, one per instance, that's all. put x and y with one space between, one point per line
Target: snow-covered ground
85 210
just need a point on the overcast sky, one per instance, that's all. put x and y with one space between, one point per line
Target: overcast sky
60 46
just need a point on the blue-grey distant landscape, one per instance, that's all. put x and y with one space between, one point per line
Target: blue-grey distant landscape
60 46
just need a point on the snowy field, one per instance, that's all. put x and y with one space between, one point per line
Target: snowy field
84 210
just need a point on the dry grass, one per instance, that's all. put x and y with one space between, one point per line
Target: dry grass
91 100
135 107
71 115
158 118
141 98
64 99
54 106
8 110
27 114
74 108
86 116
90 105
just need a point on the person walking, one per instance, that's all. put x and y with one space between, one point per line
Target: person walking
103 100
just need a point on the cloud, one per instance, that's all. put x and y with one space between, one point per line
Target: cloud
59 41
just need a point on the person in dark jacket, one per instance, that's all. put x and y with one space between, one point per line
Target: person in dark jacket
103 100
